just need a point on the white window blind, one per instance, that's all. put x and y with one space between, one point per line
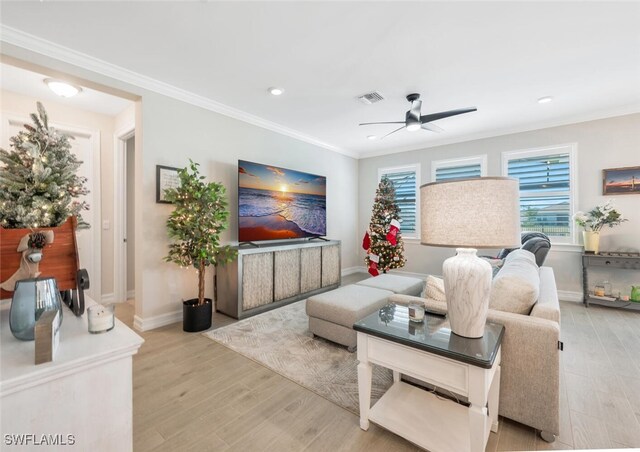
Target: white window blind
546 203
458 172
460 168
405 181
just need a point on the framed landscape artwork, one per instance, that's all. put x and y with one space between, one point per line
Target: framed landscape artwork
166 177
621 181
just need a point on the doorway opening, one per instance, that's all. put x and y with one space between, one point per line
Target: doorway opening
124 210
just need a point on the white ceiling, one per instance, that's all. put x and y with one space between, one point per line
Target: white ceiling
498 56
32 84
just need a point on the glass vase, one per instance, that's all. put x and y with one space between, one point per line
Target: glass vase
30 299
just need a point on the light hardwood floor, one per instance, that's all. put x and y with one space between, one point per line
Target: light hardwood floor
191 393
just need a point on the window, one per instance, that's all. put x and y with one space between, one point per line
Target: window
405 180
547 187
462 168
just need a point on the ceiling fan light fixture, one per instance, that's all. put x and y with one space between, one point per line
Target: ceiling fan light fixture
62 89
274 91
414 120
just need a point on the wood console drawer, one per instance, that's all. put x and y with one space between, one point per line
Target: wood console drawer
330 265
257 280
286 274
310 277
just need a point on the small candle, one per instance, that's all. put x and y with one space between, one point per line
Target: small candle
416 312
625 298
101 318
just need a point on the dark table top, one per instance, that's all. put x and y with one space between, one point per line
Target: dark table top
433 335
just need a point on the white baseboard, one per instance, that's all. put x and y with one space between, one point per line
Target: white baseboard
567 295
157 321
111 297
351 270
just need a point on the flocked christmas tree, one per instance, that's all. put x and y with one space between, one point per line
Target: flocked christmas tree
39 186
383 240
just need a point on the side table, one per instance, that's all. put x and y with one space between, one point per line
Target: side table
430 352
621 260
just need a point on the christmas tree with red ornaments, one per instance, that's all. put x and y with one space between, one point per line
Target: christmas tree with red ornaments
383 240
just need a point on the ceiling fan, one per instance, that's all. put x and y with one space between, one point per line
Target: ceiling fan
413 121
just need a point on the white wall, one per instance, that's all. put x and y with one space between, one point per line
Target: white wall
606 143
169 132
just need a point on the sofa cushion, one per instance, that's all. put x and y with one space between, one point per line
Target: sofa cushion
517 285
434 289
404 285
347 304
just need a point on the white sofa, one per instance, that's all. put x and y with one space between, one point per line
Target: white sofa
530 381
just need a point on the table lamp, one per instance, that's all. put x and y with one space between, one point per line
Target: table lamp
468 214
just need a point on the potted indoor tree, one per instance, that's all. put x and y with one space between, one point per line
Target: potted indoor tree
195 225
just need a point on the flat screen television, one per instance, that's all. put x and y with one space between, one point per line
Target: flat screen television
278 203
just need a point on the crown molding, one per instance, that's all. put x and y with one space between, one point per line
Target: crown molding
575 119
47 48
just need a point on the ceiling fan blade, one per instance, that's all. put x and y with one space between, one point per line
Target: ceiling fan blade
446 114
397 130
415 109
432 128
374 123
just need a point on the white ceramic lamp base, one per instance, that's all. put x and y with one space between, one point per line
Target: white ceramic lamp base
467 283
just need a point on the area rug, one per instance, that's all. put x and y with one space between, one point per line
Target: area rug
281 341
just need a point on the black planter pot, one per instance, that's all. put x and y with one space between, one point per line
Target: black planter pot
196 317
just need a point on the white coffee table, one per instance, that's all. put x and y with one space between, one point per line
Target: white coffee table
430 352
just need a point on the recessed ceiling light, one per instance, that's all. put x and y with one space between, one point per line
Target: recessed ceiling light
545 100
275 91
413 127
372 137
61 88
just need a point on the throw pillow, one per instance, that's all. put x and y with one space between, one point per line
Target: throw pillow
434 289
517 286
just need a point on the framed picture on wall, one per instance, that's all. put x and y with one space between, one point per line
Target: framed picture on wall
621 181
166 177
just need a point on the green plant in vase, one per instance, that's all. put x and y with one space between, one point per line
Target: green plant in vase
195 225
593 221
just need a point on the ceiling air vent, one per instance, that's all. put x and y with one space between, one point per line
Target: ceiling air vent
371 98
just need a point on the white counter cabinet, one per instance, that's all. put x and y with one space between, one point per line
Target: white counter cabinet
84 396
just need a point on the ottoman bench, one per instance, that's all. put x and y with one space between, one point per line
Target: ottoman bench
332 314
401 285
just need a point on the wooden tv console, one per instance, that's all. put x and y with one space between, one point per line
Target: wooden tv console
271 276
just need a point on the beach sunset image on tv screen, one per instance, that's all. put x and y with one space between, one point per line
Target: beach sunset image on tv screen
278 203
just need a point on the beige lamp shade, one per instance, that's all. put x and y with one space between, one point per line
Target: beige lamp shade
471 213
